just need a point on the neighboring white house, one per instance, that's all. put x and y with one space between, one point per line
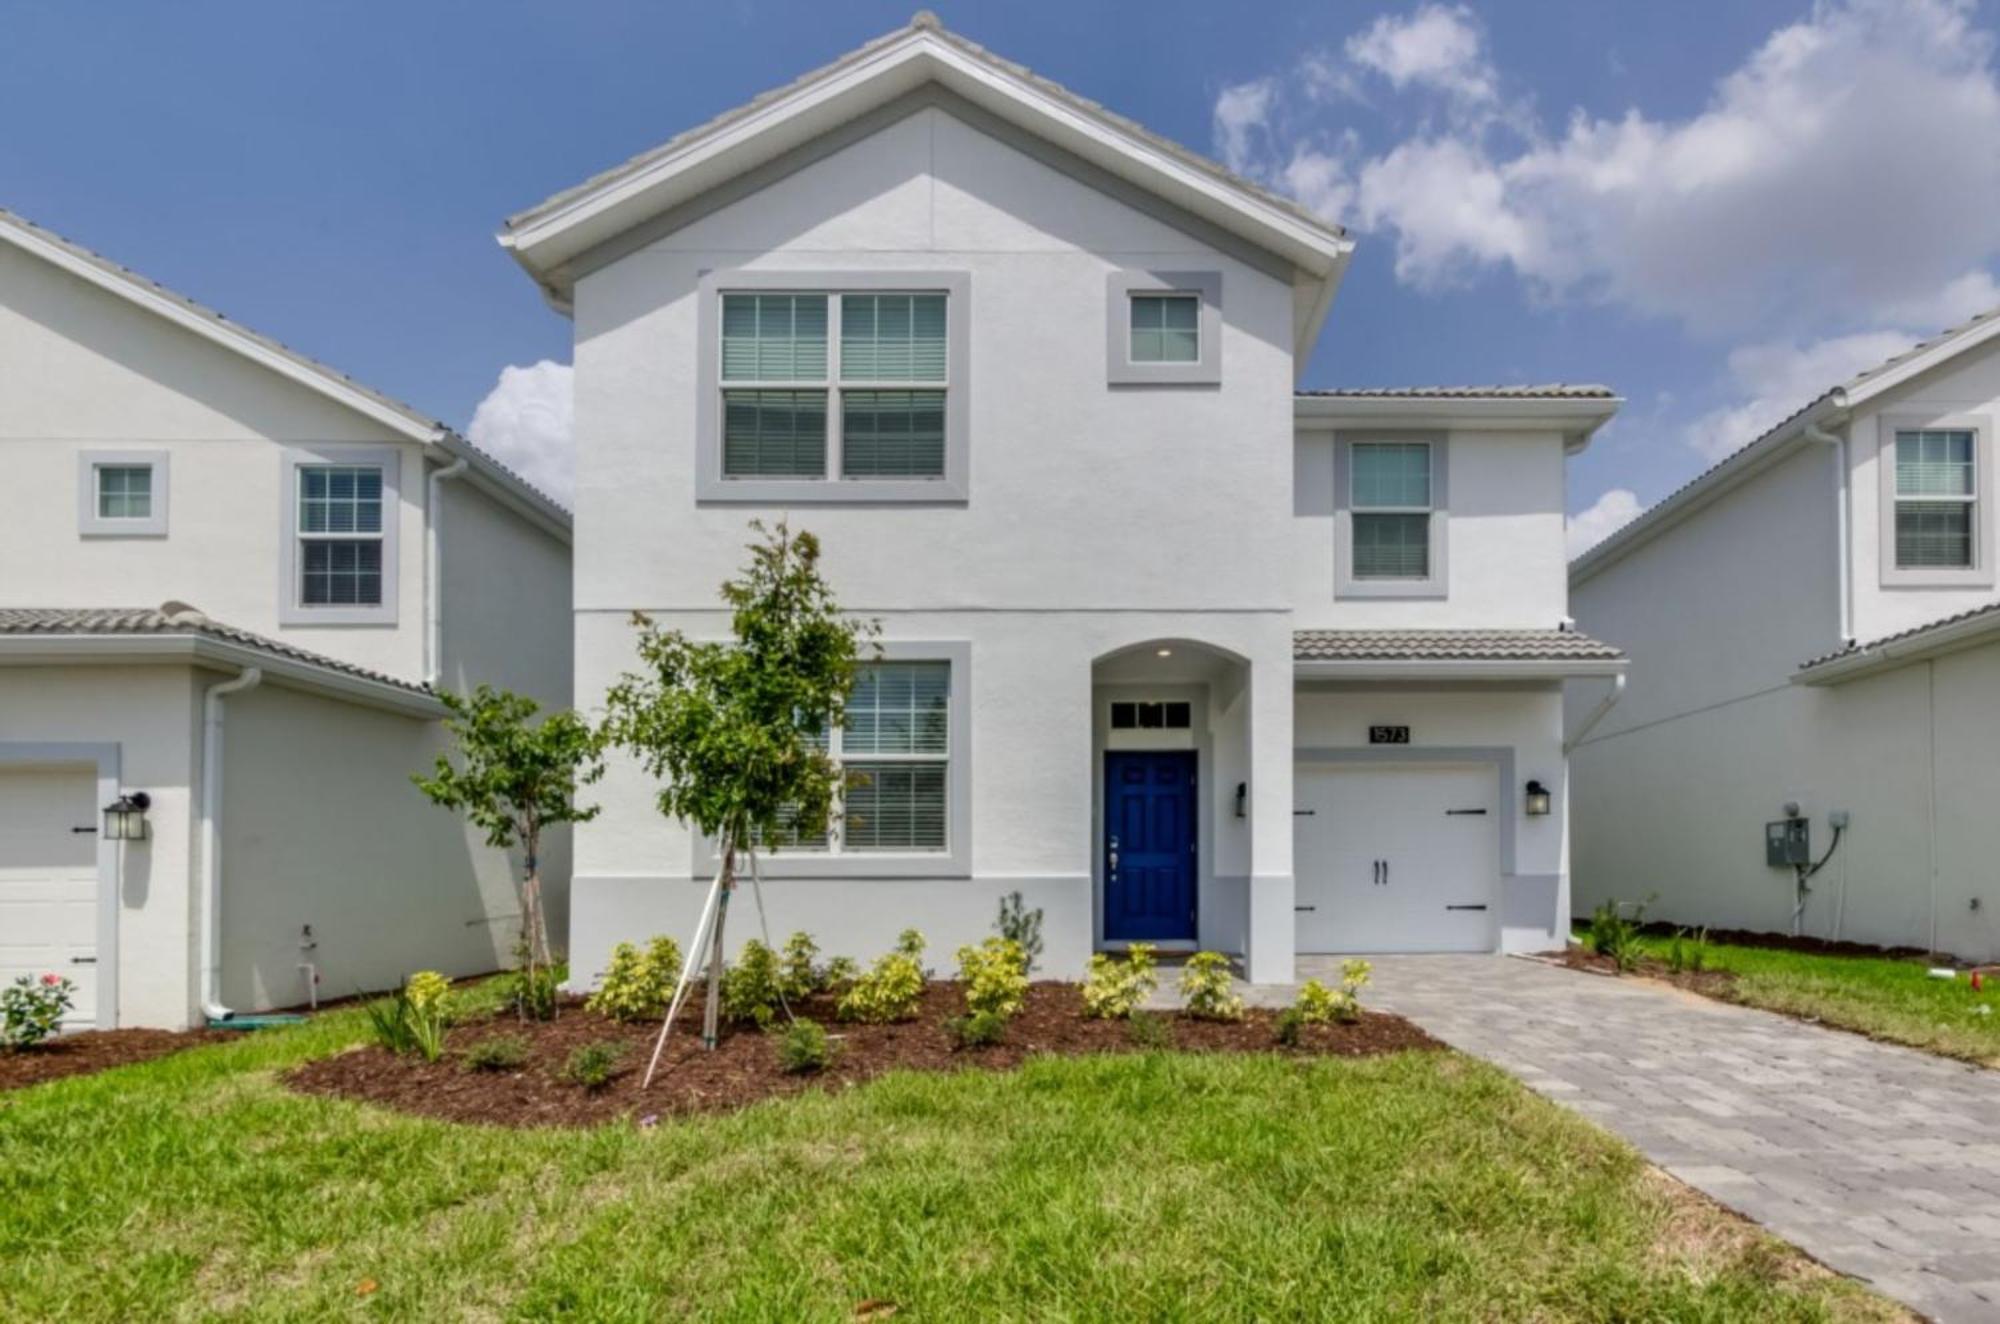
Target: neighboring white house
1813 622
196 523
1178 653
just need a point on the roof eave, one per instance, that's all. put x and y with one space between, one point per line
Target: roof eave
1455 669
201 649
524 500
1894 653
1576 419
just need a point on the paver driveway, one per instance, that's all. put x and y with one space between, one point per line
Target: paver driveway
1879 1161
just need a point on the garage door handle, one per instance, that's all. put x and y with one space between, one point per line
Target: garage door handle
83 960
1305 907
1450 813
1465 907
1304 813
91 828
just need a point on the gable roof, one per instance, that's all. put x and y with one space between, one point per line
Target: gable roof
1829 408
545 238
143 292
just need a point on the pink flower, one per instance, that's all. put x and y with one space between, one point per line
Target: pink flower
52 980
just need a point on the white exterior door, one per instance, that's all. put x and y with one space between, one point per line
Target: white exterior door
1396 858
48 880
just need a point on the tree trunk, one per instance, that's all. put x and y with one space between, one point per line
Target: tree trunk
711 1012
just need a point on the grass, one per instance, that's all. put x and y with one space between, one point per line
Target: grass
1142 1186
1887 998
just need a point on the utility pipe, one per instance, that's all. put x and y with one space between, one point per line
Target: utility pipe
1814 432
433 573
1597 714
212 1005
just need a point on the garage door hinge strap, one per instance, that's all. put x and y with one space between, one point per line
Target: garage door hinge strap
1465 907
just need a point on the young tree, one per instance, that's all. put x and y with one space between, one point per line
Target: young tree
516 778
734 730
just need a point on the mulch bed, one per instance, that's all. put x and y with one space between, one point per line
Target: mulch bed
743 1069
1709 983
1786 942
96 1050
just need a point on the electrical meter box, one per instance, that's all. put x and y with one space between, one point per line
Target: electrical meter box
1787 841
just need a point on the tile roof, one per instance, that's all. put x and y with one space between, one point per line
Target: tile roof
1903 636
1450 646
1546 391
171 620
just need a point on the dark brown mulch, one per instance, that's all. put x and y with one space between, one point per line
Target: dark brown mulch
1710 983
96 1050
744 1066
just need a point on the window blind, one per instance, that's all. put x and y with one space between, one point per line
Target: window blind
774 434
774 337
892 337
892 434
1392 546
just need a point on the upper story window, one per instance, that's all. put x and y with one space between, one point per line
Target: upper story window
855 392
1391 515
340 537
1935 514
1164 328
122 493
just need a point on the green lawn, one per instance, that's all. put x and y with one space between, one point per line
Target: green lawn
1889 998
1157 1186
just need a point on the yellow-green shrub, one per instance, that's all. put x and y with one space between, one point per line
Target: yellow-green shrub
638 985
893 988
799 972
995 975
1115 989
750 988
1205 988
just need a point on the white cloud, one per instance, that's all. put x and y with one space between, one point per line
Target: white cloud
527 422
1439 47
1608 514
1449 209
1242 113
1777 378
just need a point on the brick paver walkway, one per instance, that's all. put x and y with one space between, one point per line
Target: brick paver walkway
1879 1161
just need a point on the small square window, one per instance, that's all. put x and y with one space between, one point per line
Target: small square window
124 491
1166 328
121 494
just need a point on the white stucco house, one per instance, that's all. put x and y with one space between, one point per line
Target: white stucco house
198 525
1179 652
1813 622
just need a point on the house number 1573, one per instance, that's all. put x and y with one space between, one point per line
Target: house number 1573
1388 735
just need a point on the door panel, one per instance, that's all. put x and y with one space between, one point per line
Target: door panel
1149 845
1396 858
48 881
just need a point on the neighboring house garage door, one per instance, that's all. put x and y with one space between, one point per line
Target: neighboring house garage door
48 880
1396 858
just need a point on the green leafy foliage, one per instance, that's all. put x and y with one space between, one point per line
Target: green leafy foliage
977 1029
533 991
839 973
500 1052
1022 926
1615 934
995 977
638 984
515 778
594 1065
414 1020
1115 989
1687 951
893 988
1150 1031
32 1008
752 988
1206 988
1319 1005
799 972
1290 1024
804 1048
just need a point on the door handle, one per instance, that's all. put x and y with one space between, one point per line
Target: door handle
1113 861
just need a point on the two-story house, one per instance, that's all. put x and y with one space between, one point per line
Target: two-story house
1815 638
1177 652
229 578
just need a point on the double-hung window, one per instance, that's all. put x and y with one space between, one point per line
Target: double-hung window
122 493
340 537
894 752
832 394
1390 509
1936 499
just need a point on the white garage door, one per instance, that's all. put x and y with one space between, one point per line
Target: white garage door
48 880
1396 858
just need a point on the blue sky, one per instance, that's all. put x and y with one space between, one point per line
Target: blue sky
1716 209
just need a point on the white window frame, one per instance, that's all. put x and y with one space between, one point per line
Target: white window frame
710 483
91 524
832 860
1980 574
1431 585
1121 369
292 608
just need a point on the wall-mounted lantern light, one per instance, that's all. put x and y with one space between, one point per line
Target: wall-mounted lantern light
1537 799
1242 794
125 817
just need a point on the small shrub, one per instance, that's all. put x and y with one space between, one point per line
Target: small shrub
804 1048
1115 989
593 1065
32 1009
799 972
1320 1005
1205 988
638 984
533 991
1149 1031
892 989
427 1003
1616 936
1291 1022
977 1029
1687 953
389 1021
839 973
995 975
1023 926
751 989
502 1052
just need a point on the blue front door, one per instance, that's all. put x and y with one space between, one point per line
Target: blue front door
1149 846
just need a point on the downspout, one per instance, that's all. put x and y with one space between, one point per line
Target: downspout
1814 432
1596 715
211 835
433 573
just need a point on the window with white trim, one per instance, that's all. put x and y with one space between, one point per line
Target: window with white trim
834 386
1390 506
1936 498
894 751
1166 328
340 535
